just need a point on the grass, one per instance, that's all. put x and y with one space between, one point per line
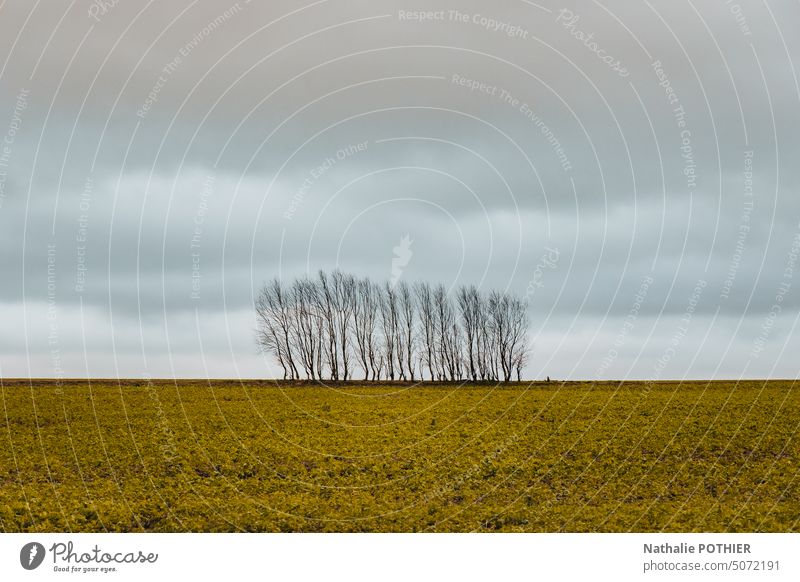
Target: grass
279 456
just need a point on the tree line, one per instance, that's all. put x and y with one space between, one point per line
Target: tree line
335 325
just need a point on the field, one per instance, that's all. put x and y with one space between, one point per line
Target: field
275 456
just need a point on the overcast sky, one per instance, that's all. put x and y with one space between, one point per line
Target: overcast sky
629 167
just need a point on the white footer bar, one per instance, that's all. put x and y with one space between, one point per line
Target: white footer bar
378 557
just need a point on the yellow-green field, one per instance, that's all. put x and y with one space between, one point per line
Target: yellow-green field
266 456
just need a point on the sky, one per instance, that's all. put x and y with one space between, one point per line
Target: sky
629 168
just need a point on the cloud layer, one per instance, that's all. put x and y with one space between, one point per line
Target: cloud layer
158 164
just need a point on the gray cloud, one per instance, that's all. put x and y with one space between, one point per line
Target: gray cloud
488 136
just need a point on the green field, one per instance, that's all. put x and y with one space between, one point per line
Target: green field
267 456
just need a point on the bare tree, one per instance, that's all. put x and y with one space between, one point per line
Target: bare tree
494 335
427 318
469 309
268 335
273 332
408 318
389 326
482 341
509 325
343 293
326 307
447 334
307 327
518 335
373 340
520 361
499 324
365 316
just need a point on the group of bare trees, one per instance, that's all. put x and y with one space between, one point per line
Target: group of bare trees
334 325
